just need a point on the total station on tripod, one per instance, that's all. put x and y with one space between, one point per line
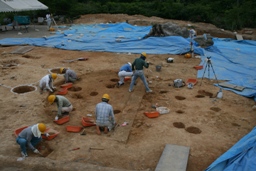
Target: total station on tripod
208 66
208 59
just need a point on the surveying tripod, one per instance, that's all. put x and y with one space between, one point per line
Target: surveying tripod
208 65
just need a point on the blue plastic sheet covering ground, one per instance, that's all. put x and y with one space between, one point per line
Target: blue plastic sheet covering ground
232 60
240 157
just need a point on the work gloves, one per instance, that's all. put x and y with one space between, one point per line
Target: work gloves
36 151
47 134
56 118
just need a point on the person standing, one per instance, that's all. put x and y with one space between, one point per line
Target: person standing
48 20
124 71
30 137
46 83
63 105
104 115
69 75
138 65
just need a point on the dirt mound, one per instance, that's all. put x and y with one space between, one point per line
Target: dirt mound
201 28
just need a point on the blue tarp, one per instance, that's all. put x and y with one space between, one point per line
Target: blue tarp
240 157
232 60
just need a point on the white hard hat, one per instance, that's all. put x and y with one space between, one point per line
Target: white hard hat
129 63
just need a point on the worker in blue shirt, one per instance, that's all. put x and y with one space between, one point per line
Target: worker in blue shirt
125 70
104 115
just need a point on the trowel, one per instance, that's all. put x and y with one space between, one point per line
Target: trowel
78 59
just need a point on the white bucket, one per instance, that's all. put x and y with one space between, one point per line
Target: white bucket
163 110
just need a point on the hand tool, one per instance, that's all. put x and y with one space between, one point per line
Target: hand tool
75 149
78 59
95 148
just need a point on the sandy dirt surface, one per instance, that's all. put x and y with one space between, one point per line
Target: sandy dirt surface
198 120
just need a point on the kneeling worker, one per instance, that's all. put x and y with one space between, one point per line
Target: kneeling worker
63 104
46 83
104 115
30 137
69 75
125 70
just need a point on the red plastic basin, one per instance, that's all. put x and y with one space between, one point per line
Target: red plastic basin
74 128
86 122
153 114
67 85
199 67
127 78
62 91
62 120
192 80
17 131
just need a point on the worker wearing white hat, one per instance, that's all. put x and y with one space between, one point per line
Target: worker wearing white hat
125 70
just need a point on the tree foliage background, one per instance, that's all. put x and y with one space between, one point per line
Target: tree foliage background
227 14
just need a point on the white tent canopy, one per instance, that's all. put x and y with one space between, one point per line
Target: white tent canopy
21 5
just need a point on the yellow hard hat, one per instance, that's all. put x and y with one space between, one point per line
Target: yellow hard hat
106 96
144 54
54 75
41 127
187 55
61 70
51 98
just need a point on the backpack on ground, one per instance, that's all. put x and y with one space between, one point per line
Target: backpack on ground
178 83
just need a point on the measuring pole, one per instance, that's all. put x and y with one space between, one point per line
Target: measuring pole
54 21
191 43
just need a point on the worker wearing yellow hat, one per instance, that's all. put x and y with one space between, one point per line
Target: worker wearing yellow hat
69 75
137 67
63 104
46 83
30 137
104 115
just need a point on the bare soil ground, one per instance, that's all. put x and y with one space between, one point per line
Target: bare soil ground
196 119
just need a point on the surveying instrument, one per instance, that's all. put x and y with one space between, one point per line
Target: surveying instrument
208 65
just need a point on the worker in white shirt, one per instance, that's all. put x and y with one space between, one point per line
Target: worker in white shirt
49 20
46 83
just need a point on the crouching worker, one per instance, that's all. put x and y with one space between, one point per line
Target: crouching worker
125 70
63 105
30 137
69 75
46 83
104 115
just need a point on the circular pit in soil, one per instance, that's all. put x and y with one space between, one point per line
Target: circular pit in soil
93 93
116 111
23 89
